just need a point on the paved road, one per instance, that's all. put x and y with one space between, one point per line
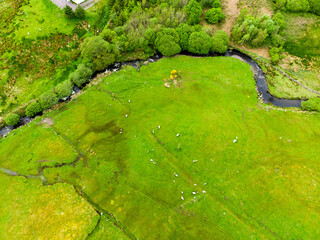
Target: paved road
62 3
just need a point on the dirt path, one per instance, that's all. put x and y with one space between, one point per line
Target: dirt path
230 9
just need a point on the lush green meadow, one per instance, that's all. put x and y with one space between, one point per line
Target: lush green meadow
203 159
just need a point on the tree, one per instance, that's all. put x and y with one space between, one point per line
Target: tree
214 15
80 12
47 100
199 43
81 75
167 42
12 119
108 34
68 12
97 52
194 12
64 89
298 5
33 109
184 30
220 42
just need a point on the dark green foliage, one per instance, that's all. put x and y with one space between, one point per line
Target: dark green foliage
80 12
216 4
12 119
97 52
108 34
33 109
199 43
68 12
274 55
194 12
220 42
47 100
167 42
211 3
81 75
258 31
64 89
214 15
315 6
297 5
312 104
184 30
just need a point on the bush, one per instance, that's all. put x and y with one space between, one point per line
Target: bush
68 12
184 30
98 52
12 119
298 5
214 15
33 109
80 12
199 43
81 75
315 6
64 89
194 12
167 42
220 42
312 104
211 3
274 55
108 34
47 100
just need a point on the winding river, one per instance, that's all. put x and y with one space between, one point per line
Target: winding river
259 76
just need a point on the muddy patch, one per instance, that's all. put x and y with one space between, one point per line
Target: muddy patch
47 122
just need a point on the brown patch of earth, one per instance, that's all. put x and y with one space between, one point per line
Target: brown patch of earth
231 11
47 122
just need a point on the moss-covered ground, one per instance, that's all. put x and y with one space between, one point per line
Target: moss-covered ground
199 160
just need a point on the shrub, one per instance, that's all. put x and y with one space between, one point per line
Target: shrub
80 12
64 89
97 52
220 42
81 75
312 104
167 42
184 30
12 119
33 109
194 12
68 12
199 43
214 15
108 34
298 5
274 55
47 100
315 6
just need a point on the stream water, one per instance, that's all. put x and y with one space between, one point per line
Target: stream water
259 76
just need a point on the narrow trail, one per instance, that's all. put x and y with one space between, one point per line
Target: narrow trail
230 9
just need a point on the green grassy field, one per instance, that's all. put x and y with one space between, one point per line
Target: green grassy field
202 160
